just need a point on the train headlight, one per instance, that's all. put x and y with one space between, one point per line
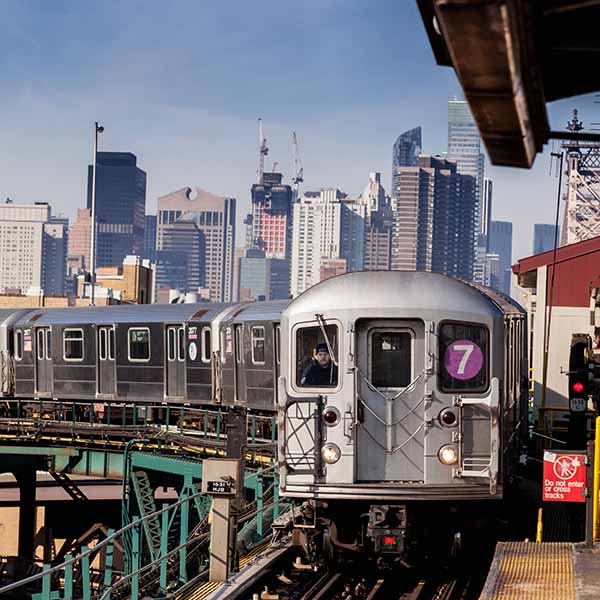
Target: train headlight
330 453
448 454
447 417
331 416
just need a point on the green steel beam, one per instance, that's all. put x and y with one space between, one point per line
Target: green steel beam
166 464
40 450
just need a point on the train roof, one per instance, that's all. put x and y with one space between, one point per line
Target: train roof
365 290
123 313
260 311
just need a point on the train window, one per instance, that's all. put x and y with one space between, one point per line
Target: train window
463 354
278 343
18 345
102 344
314 368
206 345
170 344
73 344
391 359
139 344
48 344
239 342
111 344
180 344
40 344
258 345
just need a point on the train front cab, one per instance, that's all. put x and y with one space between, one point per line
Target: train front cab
413 416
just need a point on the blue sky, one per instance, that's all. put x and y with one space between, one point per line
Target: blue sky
181 84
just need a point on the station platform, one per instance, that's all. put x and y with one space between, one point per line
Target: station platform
546 571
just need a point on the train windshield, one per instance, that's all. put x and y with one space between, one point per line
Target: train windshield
314 364
464 352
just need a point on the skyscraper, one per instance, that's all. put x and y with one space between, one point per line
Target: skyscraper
406 151
433 221
262 278
378 225
214 217
543 237
327 225
120 207
181 258
500 243
464 147
33 249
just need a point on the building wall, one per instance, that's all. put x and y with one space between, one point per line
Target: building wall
150 238
79 241
543 237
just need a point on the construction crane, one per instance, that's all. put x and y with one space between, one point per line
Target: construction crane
298 168
263 151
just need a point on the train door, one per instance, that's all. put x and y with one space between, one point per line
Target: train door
390 401
43 362
106 361
175 360
238 342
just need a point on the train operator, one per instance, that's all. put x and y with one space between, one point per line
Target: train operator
321 370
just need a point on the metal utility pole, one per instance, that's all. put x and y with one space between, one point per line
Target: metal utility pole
262 151
97 129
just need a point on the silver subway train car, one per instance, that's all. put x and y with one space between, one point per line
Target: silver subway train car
422 409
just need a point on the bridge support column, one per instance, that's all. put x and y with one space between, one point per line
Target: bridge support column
27 510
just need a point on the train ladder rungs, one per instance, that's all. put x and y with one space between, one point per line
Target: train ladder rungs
145 496
68 485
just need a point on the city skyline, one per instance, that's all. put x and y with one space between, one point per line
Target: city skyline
181 109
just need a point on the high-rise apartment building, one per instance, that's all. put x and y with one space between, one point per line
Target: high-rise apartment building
433 221
150 238
120 207
406 151
33 249
214 217
327 225
464 147
543 237
500 243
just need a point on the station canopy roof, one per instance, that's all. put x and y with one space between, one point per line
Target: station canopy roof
513 56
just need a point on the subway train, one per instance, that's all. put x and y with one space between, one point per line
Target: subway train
401 397
420 427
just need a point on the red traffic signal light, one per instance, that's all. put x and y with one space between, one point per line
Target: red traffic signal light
578 387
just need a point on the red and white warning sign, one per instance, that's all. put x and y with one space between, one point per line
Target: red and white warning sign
564 477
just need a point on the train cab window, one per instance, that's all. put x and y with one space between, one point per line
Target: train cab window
73 344
206 345
19 345
315 366
463 357
139 344
48 344
258 345
391 359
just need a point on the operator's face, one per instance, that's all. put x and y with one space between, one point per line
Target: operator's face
323 358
